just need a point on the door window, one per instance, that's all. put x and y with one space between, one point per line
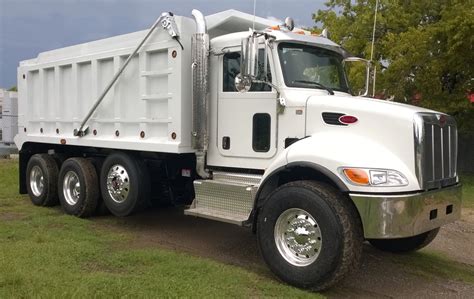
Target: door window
261 132
232 69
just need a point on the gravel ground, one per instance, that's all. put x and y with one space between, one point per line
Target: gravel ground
379 276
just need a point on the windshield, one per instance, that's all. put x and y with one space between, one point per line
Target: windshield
312 67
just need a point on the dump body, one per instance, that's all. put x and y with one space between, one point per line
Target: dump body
148 109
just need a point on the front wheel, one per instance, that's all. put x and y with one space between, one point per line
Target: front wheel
405 244
309 234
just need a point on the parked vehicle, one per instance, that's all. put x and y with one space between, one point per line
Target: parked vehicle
8 121
255 127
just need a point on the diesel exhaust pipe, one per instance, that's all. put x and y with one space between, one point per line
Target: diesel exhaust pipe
200 94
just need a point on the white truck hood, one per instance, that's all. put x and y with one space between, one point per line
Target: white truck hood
383 136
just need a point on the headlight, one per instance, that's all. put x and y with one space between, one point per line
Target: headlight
374 177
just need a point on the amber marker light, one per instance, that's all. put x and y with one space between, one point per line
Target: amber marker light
357 176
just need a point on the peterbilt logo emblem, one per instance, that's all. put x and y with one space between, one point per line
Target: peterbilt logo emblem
442 119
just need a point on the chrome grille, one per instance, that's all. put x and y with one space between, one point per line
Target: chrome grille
436 143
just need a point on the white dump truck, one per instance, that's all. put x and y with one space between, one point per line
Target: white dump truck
243 120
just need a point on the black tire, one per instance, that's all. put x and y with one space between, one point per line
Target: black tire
402 245
138 188
101 209
82 171
339 226
47 196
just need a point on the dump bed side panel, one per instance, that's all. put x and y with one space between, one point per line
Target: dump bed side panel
149 107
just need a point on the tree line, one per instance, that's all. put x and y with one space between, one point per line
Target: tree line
423 50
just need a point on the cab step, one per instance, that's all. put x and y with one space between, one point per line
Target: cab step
227 197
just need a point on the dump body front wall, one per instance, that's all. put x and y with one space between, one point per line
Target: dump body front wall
148 109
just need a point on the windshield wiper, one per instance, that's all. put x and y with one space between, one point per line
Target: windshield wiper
330 91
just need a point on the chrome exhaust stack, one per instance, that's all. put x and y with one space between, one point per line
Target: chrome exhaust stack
200 93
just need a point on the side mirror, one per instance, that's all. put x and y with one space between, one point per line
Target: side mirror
358 71
289 23
251 69
242 83
249 57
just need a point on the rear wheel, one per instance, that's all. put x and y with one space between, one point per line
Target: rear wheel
124 184
41 180
78 187
309 234
405 244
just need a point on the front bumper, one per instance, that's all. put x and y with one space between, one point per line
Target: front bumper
399 216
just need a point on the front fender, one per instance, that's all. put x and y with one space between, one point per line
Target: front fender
333 150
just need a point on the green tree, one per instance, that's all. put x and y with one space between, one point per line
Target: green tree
13 88
422 48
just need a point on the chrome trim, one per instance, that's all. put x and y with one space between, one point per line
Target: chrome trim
419 147
71 188
435 143
200 21
200 84
36 181
249 179
225 201
298 237
200 93
118 183
399 216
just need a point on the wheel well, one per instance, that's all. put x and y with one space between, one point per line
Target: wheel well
291 173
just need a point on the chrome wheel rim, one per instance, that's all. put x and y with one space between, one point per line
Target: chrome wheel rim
298 237
118 183
36 181
71 188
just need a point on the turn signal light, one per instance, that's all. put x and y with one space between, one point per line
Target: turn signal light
374 177
357 175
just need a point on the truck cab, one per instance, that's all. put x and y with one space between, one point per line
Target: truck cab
284 120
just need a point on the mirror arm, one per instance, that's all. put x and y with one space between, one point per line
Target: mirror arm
367 79
267 83
368 65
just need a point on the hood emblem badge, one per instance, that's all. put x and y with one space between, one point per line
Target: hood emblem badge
441 119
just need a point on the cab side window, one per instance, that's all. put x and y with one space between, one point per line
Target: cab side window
232 69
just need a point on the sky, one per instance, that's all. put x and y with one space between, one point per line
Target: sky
29 27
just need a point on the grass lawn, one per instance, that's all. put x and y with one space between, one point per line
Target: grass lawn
44 253
468 190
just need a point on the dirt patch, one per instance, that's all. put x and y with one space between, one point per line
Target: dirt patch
378 277
11 216
170 229
467 214
456 241
99 267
